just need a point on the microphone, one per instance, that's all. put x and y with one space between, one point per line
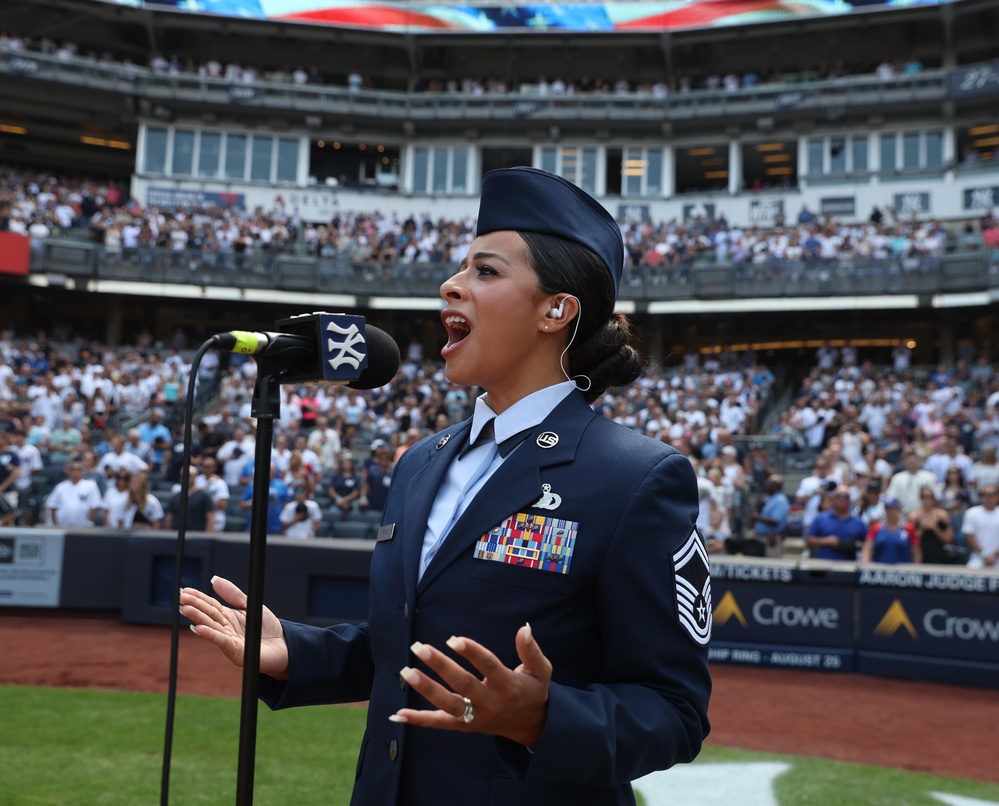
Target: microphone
321 347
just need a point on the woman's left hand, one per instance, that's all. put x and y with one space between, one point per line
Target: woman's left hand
512 703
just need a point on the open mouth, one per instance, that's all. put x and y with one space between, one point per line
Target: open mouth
457 329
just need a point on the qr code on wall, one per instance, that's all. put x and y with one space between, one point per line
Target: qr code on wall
30 552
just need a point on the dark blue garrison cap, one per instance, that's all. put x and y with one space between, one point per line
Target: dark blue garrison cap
530 200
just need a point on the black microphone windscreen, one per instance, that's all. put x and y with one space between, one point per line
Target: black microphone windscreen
383 359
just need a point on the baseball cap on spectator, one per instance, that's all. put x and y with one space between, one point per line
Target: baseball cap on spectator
376 444
893 503
730 450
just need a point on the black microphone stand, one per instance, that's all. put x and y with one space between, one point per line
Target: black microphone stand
265 406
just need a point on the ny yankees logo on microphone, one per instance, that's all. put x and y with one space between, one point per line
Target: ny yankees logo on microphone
345 349
343 345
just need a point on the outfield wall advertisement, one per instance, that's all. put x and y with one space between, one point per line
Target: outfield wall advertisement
929 624
920 622
776 614
31 567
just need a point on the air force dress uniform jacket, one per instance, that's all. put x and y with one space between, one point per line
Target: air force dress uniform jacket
624 619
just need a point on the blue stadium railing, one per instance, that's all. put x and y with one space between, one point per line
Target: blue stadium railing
956 272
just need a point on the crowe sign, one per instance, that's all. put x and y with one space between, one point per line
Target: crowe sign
783 610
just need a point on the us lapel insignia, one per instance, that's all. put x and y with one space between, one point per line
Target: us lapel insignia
443 441
547 439
548 499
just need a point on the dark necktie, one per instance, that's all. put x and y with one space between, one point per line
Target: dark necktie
487 434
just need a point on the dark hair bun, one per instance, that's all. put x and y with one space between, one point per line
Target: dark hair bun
608 358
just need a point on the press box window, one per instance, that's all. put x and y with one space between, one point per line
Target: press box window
209 154
155 151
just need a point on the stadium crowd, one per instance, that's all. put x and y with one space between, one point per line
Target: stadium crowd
44 206
873 463
887 69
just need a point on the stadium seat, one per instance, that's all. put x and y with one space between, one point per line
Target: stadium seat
351 530
370 517
236 523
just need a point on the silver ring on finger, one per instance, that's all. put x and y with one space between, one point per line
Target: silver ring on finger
469 713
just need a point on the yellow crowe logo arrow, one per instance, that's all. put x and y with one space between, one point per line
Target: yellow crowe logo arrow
728 608
894 619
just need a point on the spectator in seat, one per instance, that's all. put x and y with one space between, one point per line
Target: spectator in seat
75 501
891 540
277 497
200 507
344 488
301 516
217 490
981 529
836 534
907 485
377 478
10 471
155 434
116 499
143 509
933 526
769 522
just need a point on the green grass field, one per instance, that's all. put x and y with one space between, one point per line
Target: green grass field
65 747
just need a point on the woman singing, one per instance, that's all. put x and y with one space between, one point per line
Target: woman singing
540 602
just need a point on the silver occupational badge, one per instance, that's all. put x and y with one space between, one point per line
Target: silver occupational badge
548 499
547 439
443 441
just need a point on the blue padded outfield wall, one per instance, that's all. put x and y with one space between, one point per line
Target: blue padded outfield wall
938 623
921 622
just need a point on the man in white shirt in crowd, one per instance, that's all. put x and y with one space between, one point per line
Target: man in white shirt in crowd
235 453
31 461
301 516
906 484
135 445
812 488
75 500
981 529
984 471
947 457
310 459
325 442
119 458
215 486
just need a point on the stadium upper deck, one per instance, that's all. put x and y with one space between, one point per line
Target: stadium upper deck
661 110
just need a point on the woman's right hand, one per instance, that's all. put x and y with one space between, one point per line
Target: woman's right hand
226 626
